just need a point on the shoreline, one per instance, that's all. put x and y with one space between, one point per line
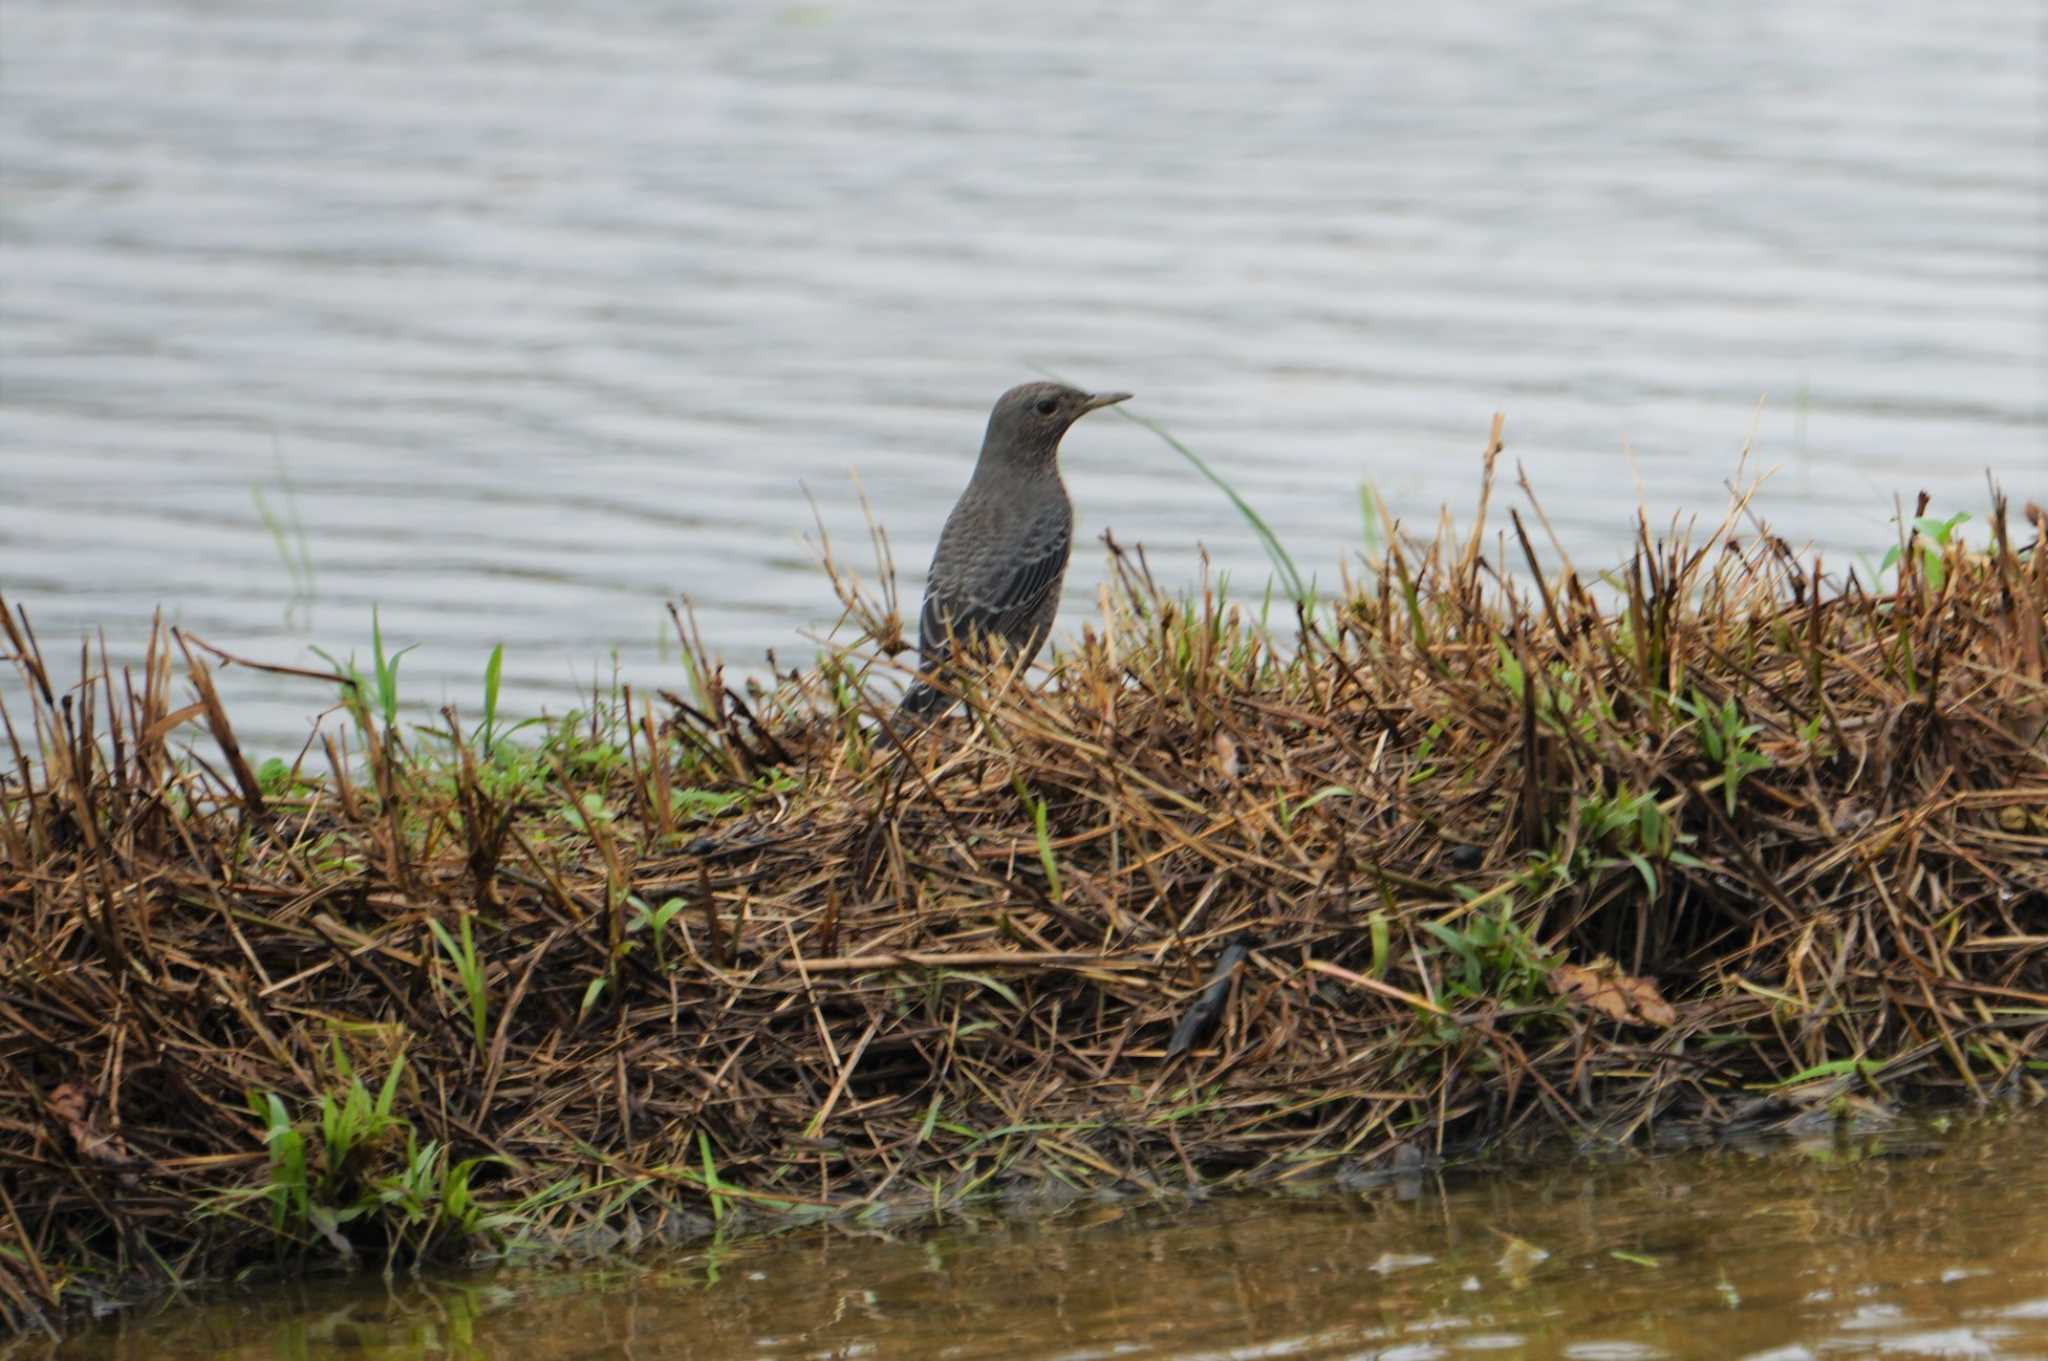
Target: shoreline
1449 861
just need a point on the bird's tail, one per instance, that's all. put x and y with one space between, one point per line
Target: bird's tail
923 703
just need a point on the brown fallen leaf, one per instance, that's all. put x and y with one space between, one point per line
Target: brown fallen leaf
1601 986
73 1103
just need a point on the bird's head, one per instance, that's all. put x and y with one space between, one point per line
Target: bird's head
1029 419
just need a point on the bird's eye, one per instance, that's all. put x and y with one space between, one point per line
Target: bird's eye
1047 407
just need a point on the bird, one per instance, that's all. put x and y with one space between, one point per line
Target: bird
995 576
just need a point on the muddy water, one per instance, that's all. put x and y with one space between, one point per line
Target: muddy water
1919 1243
528 317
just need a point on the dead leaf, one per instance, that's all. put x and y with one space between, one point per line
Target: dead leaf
1602 987
73 1103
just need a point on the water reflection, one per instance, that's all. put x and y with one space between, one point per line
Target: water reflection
1924 1244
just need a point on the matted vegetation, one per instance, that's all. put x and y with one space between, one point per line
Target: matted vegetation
1449 858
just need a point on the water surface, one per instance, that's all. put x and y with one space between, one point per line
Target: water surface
537 315
1908 1245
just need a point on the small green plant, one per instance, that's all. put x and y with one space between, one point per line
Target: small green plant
428 1198
1045 855
352 1121
1931 535
1509 672
1546 872
382 683
469 968
1633 827
276 778
1288 812
712 1183
1497 956
319 1185
1424 766
653 920
387 671
324 1175
1371 516
1726 740
288 1192
1559 705
588 744
708 803
1035 806
587 812
487 730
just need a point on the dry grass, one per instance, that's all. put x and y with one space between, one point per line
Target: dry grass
1216 906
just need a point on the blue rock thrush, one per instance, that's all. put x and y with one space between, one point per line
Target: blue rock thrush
995 579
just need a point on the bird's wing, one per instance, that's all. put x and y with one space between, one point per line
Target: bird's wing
1007 611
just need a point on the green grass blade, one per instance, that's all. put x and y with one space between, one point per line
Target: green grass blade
1276 553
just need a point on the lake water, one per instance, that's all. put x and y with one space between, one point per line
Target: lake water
537 315
1914 1244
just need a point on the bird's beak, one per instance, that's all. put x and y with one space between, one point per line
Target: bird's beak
1102 399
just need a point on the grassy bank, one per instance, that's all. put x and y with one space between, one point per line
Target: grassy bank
1448 858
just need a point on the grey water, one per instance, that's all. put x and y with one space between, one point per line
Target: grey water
523 320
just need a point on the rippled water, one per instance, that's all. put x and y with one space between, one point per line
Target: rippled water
1908 1246
539 314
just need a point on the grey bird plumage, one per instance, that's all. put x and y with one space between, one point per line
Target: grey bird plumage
995 577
